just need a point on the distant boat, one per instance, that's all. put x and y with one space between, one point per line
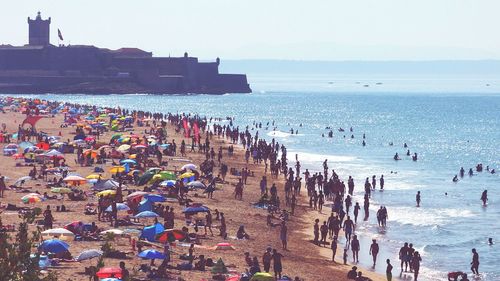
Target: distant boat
330 83
379 83
487 85
366 85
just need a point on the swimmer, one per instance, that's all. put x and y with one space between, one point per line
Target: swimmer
364 143
405 145
408 152
471 173
417 198
490 241
396 157
484 197
455 178
462 172
415 157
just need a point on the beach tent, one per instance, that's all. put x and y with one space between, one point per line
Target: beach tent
149 232
53 246
219 267
151 255
145 205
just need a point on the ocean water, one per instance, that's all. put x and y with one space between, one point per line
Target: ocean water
450 122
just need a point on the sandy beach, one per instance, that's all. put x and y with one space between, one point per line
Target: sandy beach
302 259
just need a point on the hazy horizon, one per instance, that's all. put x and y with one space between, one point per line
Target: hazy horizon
291 30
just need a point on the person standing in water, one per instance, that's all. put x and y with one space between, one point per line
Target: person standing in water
382 182
374 251
388 270
334 248
484 197
475 262
356 212
417 198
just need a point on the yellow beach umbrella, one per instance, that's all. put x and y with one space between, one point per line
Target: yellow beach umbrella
106 193
123 148
117 169
186 175
93 177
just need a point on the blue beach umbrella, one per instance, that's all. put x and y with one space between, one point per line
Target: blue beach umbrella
154 198
167 183
54 246
128 161
151 255
146 214
198 209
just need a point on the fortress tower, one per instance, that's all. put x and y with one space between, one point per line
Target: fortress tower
39 31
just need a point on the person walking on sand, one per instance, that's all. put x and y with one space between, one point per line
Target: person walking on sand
283 235
266 259
475 262
355 248
324 233
388 270
349 228
374 251
417 198
334 248
316 231
277 265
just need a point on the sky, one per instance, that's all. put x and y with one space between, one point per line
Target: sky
271 29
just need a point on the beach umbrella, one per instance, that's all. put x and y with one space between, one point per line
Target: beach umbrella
106 193
136 194
151 255
149 232
123 148
146 214
167 175
154 198
93 177
167 183
107 272
107 184
116 136
117 169
89 254
93 153
195 209
170 235
262 276
186 175
22 179
141 146
32 198
54 246
196 184
128 161
74 180
144 178
119 207
61 190
154 170
114 231
53 153
189 167
132 231
224 247
60 233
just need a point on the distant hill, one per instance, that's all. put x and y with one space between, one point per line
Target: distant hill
444 67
